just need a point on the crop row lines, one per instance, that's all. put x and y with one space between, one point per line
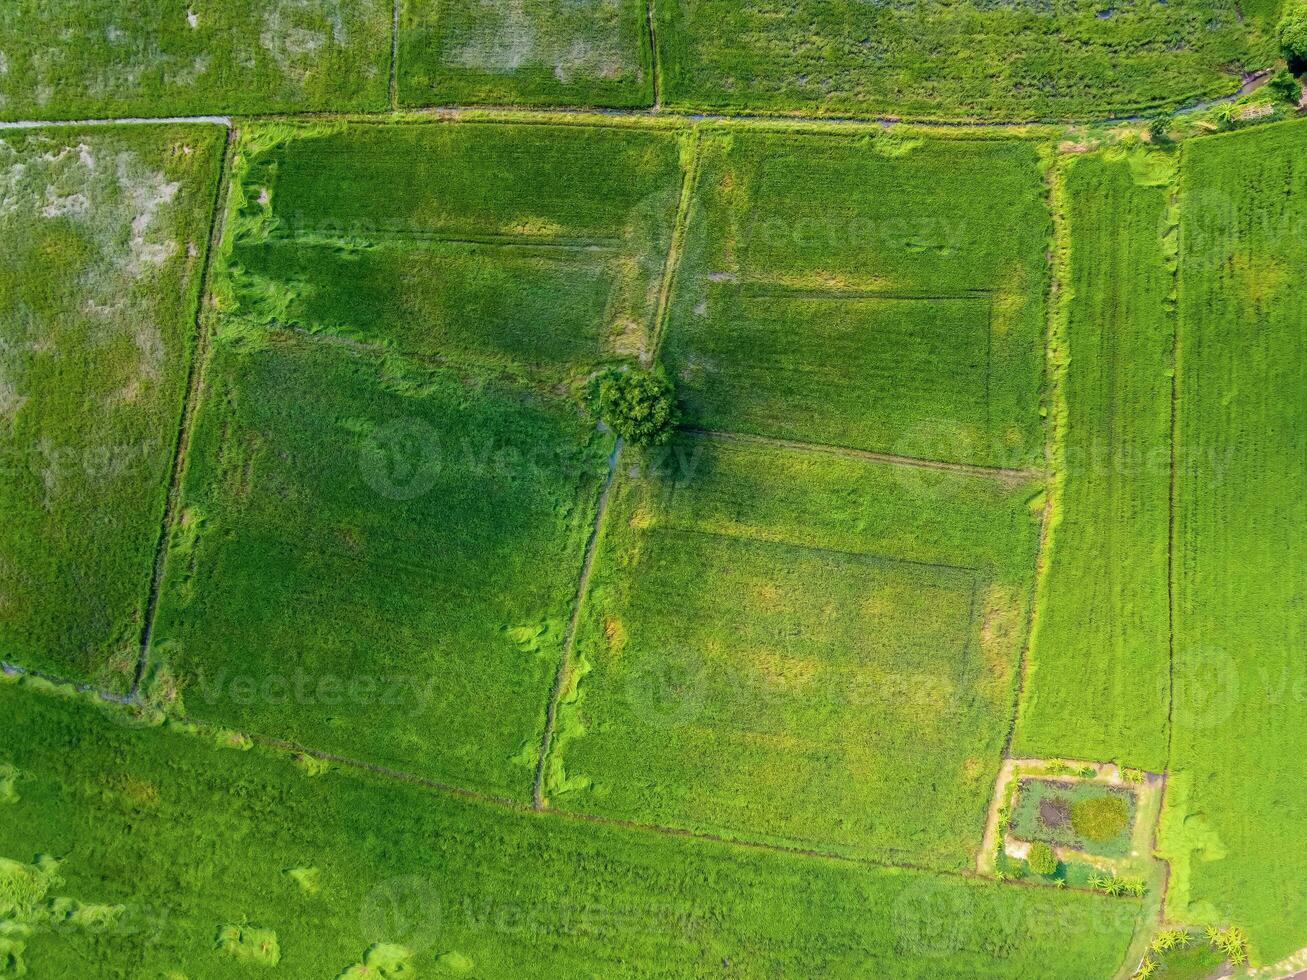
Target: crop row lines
1006 474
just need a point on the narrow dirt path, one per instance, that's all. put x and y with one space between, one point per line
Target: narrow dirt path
672 264
190 397
564 674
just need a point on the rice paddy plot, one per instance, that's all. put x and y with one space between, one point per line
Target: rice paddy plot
793 647
90 59
375 560
345 873
858 292
971 60
105 233
1099 680
510 245
1235 801
525 52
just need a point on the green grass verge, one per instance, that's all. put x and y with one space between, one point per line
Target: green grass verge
376 560
85 59
519 246
800 648
263 860
105 233
1237 803
525 52
1098 686
858 292
967 60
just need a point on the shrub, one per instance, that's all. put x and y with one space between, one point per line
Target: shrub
1293 35
1285 87
1169 939
1100 818
1231 941
1041 859
640 406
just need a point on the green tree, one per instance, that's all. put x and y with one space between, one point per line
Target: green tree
1041 859
1293 35
639 405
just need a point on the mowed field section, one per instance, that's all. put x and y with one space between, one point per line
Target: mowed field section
1236 804
860 292
82 59
345 873
105 232
802 648
1098 685
969 60
521 246
525 52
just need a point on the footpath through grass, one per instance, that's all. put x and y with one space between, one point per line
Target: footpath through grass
1098 685
1237 800
177 855
104 236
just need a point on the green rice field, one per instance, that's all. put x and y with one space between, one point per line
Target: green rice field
1099 682
969 60
775 632
1239 519
105 233
667 489
852 293
525 52
95 58
345 872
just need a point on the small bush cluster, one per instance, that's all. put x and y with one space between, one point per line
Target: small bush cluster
1041 859
1099 819
1112 884
639 405
1285 87
1231 941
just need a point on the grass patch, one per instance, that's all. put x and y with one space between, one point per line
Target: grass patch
525 52
375 560
1099 678
90 59
105 232
1236 802
420 881
969 60
855 292
520 246
801 649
